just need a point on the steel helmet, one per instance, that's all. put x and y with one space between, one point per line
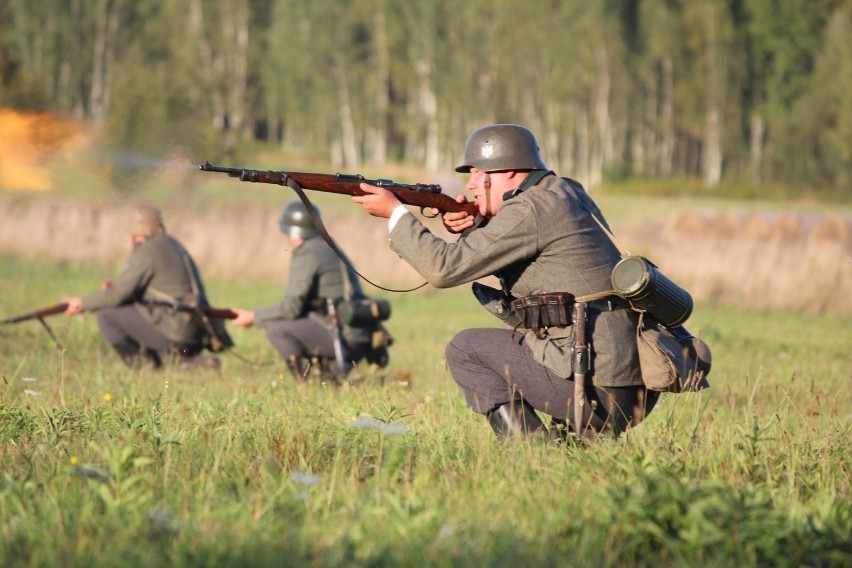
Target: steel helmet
146 220
501 147
295 221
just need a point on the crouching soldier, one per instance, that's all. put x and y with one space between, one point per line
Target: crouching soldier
300 326
135 311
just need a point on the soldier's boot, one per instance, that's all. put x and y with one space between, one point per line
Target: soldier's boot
137 356
515 419
296 370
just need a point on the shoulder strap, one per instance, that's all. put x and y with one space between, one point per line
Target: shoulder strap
195 285
624 252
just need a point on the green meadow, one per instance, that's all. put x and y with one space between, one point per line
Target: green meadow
103 466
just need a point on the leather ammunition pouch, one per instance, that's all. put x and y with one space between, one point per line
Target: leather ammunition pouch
541 311
555 309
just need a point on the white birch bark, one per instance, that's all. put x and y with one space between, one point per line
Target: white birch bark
348 142
376 131
711 158
213 63
665 152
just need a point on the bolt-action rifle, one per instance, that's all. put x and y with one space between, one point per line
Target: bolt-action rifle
419 194
217 338
60 308
207 311
40 315
221 313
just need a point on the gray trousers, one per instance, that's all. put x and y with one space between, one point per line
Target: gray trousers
493 368
134 337
306 337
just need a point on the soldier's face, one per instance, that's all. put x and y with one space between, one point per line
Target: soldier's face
487 190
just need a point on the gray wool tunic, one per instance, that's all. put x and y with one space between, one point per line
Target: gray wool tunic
542 240
315 273
156 270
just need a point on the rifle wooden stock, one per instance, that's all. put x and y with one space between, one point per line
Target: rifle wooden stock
218 313
38 314
208 311
418 195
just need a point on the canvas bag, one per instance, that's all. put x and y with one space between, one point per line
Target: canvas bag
669 364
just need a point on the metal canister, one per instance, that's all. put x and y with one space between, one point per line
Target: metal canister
635 278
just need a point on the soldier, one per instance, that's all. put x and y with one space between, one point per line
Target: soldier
298 326
131 310
538 236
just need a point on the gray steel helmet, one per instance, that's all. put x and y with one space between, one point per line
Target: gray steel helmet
501 147
295 221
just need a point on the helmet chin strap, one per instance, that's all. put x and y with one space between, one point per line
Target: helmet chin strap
486 184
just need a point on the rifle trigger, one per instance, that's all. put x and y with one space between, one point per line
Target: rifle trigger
427 215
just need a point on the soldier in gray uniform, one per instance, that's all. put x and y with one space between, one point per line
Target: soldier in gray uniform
131 310
298 326
538 236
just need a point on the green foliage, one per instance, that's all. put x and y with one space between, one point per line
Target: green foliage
755 89
105 466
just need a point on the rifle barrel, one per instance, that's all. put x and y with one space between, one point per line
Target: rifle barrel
38 314
418 194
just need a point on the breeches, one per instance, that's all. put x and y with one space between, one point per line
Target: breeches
306 337
131 334
493 368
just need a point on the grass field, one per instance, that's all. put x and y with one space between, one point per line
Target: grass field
103 466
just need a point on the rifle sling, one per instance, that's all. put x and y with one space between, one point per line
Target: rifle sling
50 333
317 221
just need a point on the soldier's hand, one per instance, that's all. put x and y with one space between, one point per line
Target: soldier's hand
74 305
459 221
245 318
378 202
107 284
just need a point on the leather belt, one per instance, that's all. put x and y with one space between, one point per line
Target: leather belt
608 304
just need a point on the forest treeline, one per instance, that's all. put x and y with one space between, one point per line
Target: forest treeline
754 91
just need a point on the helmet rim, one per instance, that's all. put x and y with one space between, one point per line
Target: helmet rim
501 147
295 222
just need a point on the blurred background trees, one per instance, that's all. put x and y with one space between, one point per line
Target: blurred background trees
714 90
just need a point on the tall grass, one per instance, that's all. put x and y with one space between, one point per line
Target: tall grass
103 466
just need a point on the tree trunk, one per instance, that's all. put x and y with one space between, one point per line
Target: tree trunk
665 159
236 35
650 132
429 110
583 144
712 155
96 89
602 116
755 147
213 63
376 132
20 18
348 141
